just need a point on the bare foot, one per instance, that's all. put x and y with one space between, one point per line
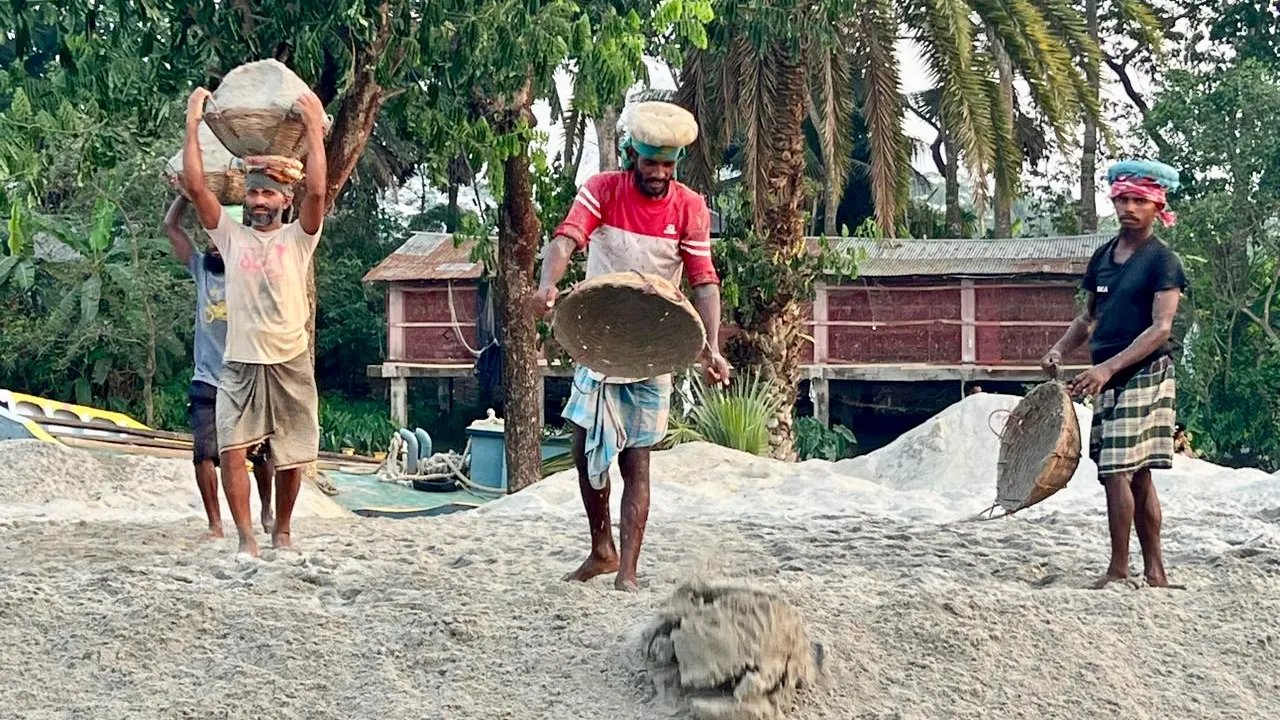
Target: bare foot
281 541
594 565
1159 580
214 533
268 522
1110 577
624 585
248 547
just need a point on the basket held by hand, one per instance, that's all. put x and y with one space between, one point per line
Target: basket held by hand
629 325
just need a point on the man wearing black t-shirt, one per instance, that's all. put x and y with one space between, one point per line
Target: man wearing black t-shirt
1134 283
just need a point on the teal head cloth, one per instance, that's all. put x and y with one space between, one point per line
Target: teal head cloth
659 153
658 131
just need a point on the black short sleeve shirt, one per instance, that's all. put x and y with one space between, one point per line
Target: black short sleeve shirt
1125 293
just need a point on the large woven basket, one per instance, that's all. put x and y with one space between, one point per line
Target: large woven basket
1039 448
629 325
247 132
227 185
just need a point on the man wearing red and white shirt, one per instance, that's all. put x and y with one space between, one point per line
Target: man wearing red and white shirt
638 219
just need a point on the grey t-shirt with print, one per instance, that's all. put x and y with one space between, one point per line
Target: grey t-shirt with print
211 320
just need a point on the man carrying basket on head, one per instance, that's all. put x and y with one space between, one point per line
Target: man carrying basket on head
1134 283
267 388
637 219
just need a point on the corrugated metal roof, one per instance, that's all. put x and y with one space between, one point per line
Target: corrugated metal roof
427 256
977 257
432 256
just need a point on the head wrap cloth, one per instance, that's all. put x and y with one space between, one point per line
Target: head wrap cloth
656 130
272 172
1146 179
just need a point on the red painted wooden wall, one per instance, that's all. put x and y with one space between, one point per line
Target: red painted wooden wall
421 327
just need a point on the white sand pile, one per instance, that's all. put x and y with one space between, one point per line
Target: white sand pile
729 652
464 616
40 480
260 85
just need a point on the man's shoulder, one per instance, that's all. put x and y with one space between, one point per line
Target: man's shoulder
687 196
608 180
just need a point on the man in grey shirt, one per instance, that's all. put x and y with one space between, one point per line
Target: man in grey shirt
210 341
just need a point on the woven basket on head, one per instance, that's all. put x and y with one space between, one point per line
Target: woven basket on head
1039 448
629 325
247 132
227 185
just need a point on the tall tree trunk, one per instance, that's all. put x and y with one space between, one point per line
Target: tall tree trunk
955 219
1089 156
607 138
775 343
519 232
451 213
1005 182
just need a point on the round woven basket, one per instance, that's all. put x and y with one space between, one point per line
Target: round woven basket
1039 448
247 132
226 185
629 325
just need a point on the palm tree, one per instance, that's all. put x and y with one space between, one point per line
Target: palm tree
771 64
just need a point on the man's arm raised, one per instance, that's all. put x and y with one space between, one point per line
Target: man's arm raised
178 239
311 214
207 206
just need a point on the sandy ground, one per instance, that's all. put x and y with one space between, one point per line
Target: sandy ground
464 616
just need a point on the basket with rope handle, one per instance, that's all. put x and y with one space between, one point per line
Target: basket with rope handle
629 325
1040 448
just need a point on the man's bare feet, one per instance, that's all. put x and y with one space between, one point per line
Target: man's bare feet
626 585
595 564
281 541
213 533
268 522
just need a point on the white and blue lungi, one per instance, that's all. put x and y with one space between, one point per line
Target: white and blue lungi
617 414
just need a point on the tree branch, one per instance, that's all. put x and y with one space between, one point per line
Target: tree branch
1121 69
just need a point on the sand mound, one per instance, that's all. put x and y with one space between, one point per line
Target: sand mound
48 481
731 652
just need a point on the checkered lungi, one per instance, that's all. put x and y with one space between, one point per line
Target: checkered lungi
616 416
1133 425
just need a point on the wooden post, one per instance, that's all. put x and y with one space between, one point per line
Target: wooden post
542 400
444 394
968 315
821 348
820 394
395 324
400 401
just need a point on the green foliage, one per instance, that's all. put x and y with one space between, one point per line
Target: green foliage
1220 122
758 279
814 441
360 424
737 417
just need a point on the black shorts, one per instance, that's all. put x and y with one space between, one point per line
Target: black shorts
202 404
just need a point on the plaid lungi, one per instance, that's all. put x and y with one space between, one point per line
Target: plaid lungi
1133 425
617 416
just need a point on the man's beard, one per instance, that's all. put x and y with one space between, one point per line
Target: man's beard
263 217
645 188
214 264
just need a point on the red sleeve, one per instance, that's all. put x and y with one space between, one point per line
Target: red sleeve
585 214
695 244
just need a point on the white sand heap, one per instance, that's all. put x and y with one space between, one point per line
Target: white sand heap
40 480
941 471
731 652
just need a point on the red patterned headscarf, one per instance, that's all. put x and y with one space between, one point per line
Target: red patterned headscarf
1147 189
